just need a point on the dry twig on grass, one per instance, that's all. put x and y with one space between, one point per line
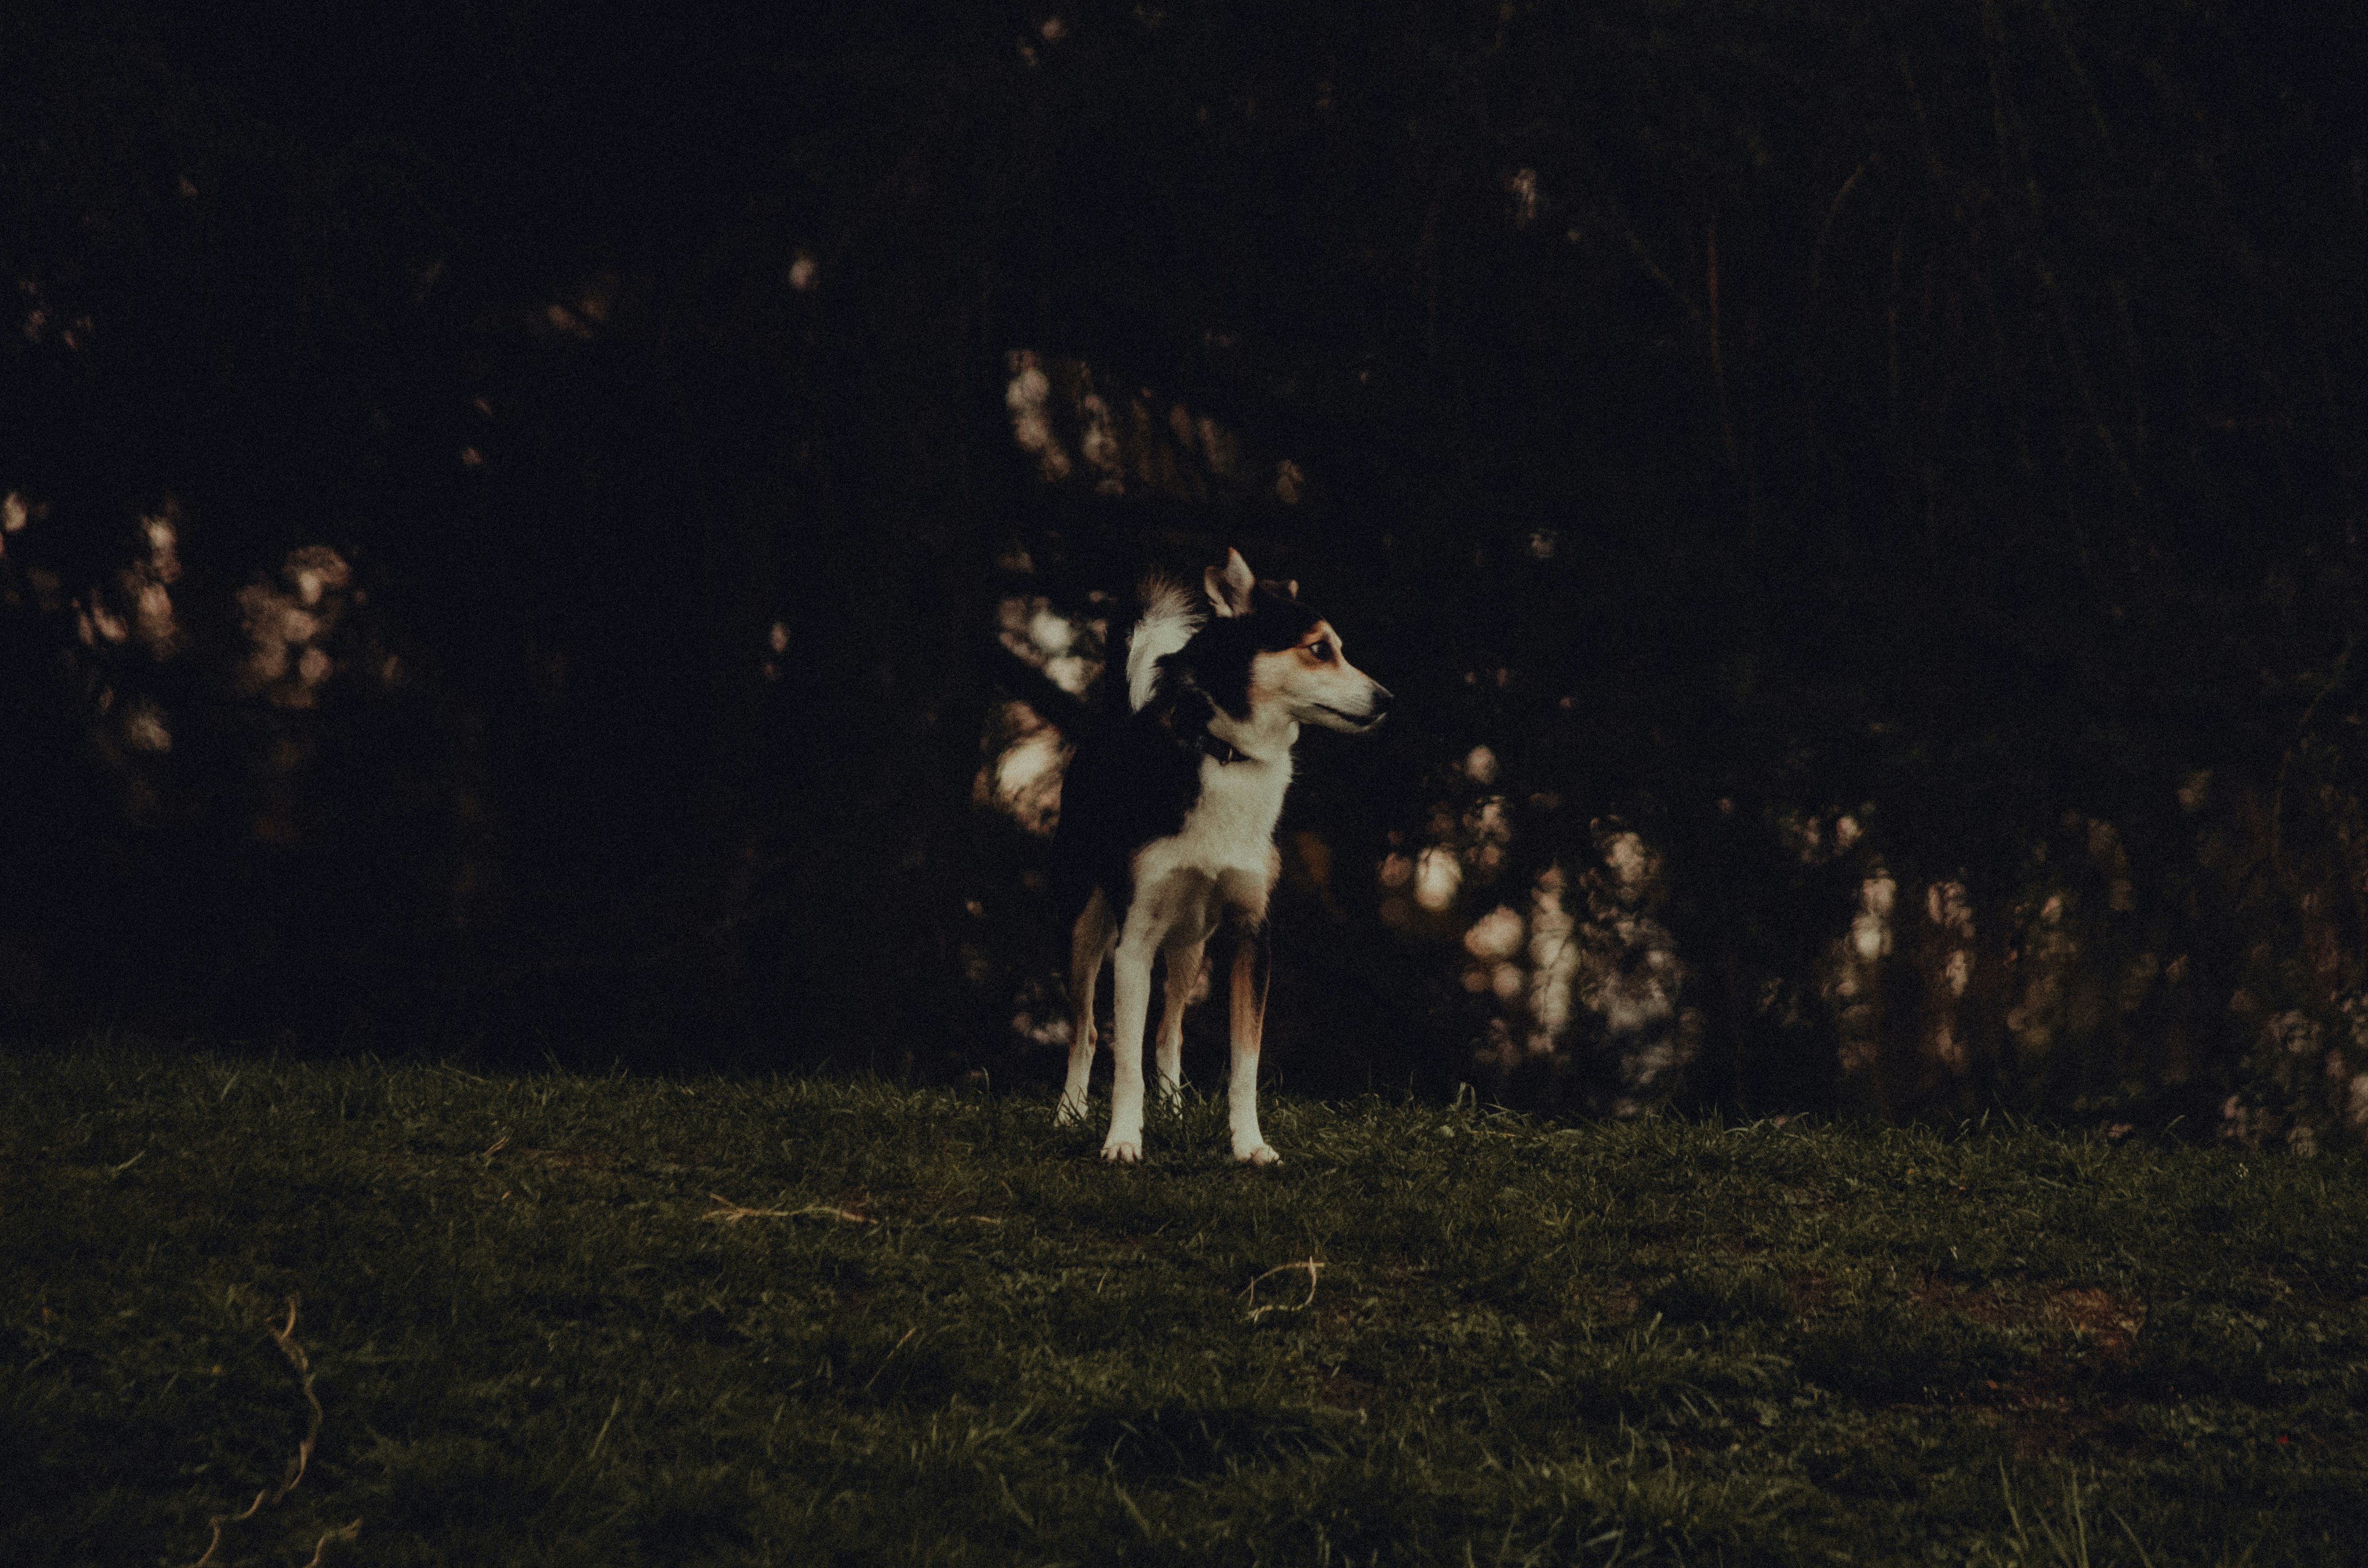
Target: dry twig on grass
833 1211
731 1213
347 1532
286 1339
1314 1266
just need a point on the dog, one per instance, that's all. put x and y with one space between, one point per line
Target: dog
1167 819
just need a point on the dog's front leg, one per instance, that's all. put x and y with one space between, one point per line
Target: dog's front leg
1248 1010
1134 1012
1184 960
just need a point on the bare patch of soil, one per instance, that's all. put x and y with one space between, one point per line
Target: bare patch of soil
2107 1322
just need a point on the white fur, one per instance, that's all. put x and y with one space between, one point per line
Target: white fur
1229 828
1170 617
1223 857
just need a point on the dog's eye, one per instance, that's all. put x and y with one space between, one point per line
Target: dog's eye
1320 651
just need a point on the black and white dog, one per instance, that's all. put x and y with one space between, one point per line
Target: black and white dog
1168 818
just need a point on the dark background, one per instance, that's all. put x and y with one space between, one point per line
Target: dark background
1735 417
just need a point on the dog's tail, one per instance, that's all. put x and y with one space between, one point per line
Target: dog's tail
1171 614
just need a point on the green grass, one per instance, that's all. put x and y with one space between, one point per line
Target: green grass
949 1332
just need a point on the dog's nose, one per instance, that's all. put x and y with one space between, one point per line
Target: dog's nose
1382 699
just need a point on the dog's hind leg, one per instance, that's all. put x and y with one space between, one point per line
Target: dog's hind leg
1253 968
1089 945
1184 971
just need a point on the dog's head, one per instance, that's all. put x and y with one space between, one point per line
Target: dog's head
1266 648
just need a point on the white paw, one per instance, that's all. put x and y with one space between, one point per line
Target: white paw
1069 1112
1263 1155
1122 1151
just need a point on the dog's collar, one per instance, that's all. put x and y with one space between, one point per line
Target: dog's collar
1222 751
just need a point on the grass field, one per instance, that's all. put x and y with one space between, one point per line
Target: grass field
554 1319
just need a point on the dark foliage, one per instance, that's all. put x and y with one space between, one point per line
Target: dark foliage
1738 421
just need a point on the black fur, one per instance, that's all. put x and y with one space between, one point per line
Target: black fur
1136 776
1218 660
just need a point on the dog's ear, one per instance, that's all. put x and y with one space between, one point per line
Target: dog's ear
1229 591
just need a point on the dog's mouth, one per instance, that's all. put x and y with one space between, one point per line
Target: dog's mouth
1355 724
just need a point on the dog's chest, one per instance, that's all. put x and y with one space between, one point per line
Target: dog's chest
1231 827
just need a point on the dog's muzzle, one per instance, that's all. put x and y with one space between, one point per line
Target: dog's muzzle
1370 718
